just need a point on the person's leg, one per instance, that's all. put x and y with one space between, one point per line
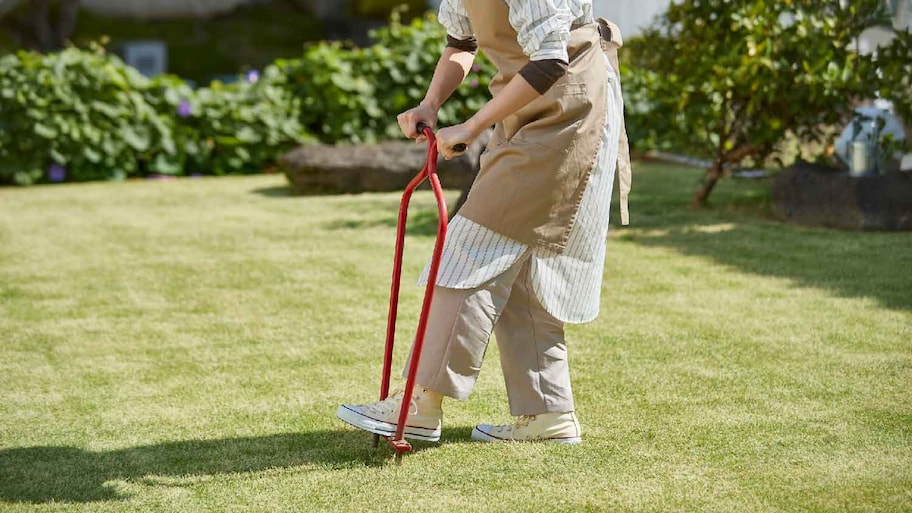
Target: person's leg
459 326
533 353
459 329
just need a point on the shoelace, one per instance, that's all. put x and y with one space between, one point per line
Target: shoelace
391 403
522 421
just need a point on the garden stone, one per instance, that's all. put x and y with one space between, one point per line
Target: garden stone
815 195
382 167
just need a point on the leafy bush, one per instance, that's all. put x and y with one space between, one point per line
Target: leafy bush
84 115
226 129
894 68
730 79
354 94
75 113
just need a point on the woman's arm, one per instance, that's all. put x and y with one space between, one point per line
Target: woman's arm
543 29
517 94
452 68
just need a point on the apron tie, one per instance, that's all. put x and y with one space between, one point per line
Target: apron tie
611 42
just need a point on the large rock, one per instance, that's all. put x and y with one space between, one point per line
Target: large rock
383 167
814 195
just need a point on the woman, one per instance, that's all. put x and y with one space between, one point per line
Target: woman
524 255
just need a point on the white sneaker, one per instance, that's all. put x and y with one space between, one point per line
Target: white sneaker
423 422
562 428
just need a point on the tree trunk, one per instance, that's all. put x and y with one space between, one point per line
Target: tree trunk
39 18
45 25
66 21
701 197
714 173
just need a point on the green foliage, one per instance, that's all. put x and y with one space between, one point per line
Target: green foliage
894 65
84 115
354 94
729 79
84 111
226 129
381 9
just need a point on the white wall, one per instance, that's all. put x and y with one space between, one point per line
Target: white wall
631 15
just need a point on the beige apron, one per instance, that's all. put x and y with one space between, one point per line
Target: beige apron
537 165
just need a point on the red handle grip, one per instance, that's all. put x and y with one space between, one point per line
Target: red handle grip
458 148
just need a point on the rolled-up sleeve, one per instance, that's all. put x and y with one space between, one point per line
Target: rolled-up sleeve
542 27
454 17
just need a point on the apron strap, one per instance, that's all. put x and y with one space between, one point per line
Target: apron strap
611 34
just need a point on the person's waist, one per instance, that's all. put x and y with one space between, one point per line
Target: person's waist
582 21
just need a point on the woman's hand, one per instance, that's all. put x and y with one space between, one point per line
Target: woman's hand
450 136
409 120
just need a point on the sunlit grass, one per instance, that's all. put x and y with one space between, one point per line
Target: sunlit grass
182 346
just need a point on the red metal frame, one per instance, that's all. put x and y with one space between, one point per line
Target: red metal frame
398 442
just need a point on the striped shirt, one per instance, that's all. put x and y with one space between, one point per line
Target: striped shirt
568 285
542 26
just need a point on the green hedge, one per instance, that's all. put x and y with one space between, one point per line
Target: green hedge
354 94
227 129
84 115
82 111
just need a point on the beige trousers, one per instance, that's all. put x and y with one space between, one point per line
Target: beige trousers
533 354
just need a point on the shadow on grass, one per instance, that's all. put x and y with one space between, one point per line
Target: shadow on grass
738 231
71 474
421 223
850 264
275 192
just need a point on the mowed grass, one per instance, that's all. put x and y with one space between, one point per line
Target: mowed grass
183 346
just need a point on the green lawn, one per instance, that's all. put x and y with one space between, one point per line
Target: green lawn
183 346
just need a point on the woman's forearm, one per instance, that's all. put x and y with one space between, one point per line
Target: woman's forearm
451 70
517 94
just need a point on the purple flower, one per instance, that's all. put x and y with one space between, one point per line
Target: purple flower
184 110
474 83
56 173
253 76
476 68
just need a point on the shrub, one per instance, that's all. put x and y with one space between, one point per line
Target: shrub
730 79
226 129
354 94
75 115
84 115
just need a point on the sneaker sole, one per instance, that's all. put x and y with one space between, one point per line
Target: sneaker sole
379 427
481 436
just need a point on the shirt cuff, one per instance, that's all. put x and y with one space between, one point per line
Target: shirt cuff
551 51
466 45
541 75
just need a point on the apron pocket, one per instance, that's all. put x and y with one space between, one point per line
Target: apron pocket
558 130
521 186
